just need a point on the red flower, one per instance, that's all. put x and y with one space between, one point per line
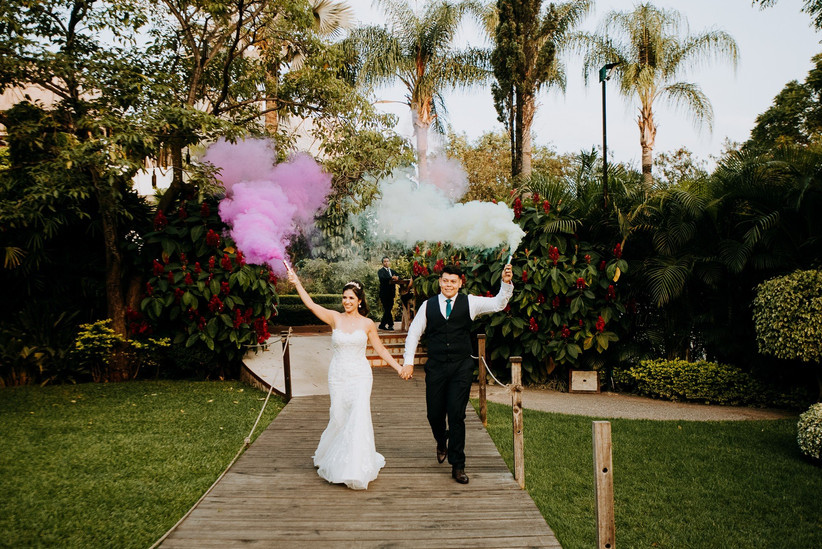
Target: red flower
205 211
149 288
170 277
507 309
587 258
212 238
524 275
555 303
439 266
158 268
618 250
425 271
553 254
215 304
211 262
188 279
182 213
489 294
566 333
535 197
224 287
532 325
160 221
546 206
238 318
240 258
602 265
178 294
494 200
611 293
580 323
415 268
517 208
197 269
201 323
428 253
600 323
581 284
272 278
225 263
261 328
541 298
183 258
417 250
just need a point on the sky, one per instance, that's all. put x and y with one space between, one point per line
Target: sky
775 46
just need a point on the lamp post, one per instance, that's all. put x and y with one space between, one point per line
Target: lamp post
605 74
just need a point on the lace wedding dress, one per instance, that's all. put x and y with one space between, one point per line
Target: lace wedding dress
346 453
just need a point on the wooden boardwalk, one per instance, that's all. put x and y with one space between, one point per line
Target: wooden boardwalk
273 497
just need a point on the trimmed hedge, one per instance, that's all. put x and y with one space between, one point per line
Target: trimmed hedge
292 312
809 432
702 381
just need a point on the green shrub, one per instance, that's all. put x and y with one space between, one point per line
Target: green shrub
96 343
788 316
292 312
702 381
809 432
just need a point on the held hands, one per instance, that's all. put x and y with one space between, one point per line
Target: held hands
507 274
407 371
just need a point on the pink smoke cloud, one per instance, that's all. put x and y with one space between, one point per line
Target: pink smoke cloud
266 203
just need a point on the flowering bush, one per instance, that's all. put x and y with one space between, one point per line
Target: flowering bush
565 309
809 432
201 292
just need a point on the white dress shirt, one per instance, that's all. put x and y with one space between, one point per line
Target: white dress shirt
477 305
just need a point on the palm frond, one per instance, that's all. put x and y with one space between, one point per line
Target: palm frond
667 278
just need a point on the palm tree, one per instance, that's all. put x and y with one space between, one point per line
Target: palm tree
417 48
526 60
652 52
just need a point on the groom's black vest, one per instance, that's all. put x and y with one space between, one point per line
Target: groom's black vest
448 340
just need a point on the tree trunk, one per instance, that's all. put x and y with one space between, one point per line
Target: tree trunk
528 109
421 135
272 117
647 137
177 185
119 368
518 118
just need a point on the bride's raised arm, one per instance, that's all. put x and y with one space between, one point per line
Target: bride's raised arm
326 315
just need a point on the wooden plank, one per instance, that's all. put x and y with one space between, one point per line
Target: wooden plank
272 496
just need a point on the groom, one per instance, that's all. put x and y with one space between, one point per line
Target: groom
449 371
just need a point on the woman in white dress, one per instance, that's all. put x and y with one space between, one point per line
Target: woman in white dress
346 453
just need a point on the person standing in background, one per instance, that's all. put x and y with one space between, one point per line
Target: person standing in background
388 289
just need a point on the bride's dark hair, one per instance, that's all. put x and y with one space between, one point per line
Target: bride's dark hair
357 287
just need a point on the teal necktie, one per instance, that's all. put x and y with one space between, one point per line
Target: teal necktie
447 308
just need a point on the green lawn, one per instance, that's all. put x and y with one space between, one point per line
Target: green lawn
677 484
115 465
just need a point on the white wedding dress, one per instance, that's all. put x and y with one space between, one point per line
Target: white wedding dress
346 453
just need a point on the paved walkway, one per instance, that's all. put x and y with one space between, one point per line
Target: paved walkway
310 355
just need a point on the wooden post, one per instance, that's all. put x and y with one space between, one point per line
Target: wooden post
604 477
286 364
482 383
516 410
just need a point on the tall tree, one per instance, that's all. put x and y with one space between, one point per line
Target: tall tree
417 47
526 60
653 49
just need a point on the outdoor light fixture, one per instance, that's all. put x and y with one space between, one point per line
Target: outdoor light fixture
605 74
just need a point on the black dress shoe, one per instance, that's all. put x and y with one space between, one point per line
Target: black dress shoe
442 453
458 474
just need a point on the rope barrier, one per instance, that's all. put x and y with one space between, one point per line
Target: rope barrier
489 372
246 444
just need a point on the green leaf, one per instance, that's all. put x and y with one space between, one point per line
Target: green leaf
197 232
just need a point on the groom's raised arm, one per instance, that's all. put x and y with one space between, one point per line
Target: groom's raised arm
478 305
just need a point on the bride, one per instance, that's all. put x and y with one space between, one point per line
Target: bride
346 453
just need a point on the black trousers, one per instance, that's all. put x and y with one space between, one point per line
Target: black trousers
447 388
387 305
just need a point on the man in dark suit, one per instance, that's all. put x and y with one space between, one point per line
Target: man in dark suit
446 318
388 289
